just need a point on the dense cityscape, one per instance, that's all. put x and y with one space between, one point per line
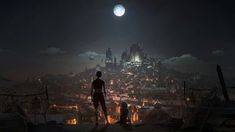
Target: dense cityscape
141 81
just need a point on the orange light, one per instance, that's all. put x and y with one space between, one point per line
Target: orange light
135 117
72 122
111 120
117 109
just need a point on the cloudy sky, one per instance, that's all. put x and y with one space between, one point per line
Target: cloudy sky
61 36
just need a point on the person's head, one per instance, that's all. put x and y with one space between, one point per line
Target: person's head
98 74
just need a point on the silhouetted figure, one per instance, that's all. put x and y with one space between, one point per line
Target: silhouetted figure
97 93
124 119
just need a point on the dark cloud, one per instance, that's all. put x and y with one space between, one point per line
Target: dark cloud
180 60
187 63
52 51
217 52
91 55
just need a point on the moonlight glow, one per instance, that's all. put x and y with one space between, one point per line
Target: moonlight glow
119 10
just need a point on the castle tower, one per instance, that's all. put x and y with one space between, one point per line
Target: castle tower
109 58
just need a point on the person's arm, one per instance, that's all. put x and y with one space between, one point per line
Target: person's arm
104 89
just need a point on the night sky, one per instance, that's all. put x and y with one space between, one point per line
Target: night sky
59 36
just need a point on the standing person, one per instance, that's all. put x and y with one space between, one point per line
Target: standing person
97 93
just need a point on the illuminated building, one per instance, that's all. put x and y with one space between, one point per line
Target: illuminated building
71 121
124 58
134 57
134 115
109 58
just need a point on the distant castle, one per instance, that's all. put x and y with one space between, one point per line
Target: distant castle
110 62
133 57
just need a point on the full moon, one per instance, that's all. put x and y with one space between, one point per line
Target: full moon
119 10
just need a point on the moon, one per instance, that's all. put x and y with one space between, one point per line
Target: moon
119 10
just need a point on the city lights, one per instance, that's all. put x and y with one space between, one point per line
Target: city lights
72 122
